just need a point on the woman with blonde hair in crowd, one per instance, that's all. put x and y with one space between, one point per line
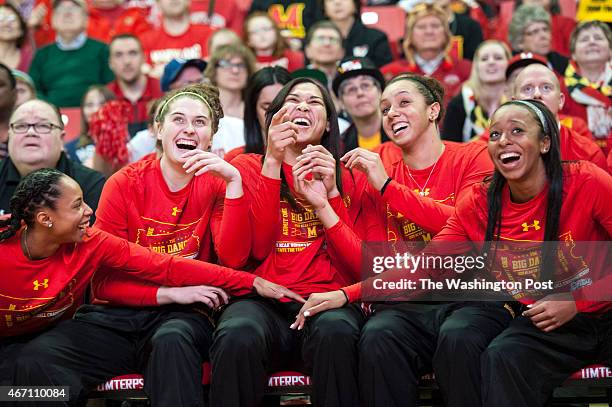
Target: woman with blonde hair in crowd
467 114
229 68
426 46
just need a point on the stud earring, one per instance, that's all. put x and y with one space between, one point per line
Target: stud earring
50 225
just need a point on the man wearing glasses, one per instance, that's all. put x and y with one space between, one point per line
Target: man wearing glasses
359 85
34 142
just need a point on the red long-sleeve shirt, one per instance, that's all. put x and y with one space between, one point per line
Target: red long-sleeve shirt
401 213
291 242
196 221
35 295
585 216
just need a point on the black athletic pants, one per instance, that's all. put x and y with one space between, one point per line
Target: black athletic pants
401 342
167 346
523 365
253 339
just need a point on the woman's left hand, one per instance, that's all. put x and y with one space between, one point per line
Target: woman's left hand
322 165
201 162
552 311
316 303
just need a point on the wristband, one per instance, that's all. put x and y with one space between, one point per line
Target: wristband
382 190
345 296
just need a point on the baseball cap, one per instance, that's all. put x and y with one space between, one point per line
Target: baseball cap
522 60
355 66
174 68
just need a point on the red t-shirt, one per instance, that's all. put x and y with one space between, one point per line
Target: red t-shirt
40 293
291 242
291 60
586 187
161 47
136 204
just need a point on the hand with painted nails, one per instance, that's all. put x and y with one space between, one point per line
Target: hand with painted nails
552 311
317 303
369 163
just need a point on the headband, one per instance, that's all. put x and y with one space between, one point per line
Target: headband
538 113
167 102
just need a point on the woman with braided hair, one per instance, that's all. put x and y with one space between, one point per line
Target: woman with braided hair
531 198
48 255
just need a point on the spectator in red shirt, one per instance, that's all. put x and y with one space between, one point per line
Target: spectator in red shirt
176 37
540 83
126 60
263 36
427 43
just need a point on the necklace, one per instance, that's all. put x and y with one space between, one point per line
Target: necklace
25 243
422 190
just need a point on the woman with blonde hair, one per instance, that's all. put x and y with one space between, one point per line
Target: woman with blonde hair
229 68
426 46
480 95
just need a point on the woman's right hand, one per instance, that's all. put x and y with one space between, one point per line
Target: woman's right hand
281 134
369 163
269 289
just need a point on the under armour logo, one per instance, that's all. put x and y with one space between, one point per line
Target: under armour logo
175 211
535 225
44 284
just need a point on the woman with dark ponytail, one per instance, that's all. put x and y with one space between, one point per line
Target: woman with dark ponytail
531 204
48 255
253 336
